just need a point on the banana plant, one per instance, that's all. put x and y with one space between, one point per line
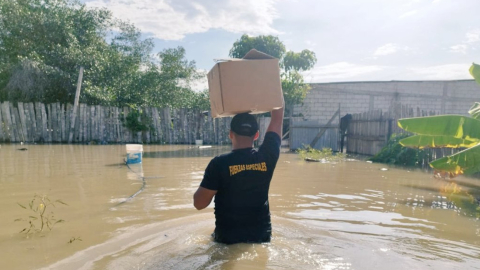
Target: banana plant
449 131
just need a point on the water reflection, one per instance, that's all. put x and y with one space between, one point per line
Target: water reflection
460 196
460 199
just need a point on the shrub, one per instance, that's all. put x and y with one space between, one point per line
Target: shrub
394 153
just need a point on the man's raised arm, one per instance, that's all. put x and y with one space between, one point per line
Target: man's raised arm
276 123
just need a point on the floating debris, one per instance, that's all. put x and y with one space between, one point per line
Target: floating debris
316 160
383 169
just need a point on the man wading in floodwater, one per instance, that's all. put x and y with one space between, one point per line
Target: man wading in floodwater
240 181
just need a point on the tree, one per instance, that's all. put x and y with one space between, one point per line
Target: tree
450 131
301 61
44 42
176 75
292 63
267 44
201 100
294 88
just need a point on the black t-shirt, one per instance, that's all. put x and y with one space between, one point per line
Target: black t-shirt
242 179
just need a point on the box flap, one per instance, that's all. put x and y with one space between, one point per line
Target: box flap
254 54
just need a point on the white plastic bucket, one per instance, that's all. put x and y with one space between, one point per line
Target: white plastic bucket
134 153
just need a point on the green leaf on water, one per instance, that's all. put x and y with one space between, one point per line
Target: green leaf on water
32 217
18 219
22 206
59 221
23 230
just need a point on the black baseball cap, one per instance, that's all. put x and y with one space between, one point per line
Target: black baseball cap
244 124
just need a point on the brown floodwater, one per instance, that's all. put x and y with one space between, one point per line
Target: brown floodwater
346 215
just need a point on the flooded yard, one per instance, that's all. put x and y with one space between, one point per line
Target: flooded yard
347 215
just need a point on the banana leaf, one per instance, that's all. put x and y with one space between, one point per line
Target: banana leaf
464 162
428 141
475 111
475 72
457 126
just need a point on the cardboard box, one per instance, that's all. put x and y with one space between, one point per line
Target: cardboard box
251 84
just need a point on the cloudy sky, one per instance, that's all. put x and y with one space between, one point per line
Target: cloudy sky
354 40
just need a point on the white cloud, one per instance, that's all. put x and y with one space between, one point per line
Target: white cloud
340 70
172 20
201 83
310 44
389 48
473 36
408 14
459 48
386 49
443 72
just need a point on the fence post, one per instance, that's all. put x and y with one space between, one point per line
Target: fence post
389 132
75 105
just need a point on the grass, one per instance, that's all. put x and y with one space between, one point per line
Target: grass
41 215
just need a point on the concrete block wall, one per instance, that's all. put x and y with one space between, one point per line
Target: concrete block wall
445 97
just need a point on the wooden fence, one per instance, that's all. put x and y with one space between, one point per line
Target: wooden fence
50 123
369 132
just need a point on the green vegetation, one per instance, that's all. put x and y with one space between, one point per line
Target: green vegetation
394 153
40 217
475 72
292 63
43 43
326 154
451 131
136 121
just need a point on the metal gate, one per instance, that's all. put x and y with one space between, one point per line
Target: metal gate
303 133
